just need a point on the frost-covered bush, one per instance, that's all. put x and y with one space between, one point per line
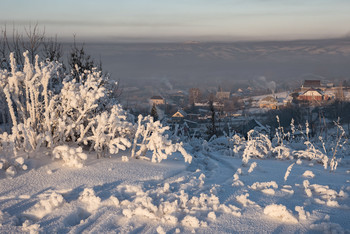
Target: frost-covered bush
328 152
48 108
28 92
311 153
282 152
258 145
150 136
76 106
238 144
110 131
292 145
221 144
51 109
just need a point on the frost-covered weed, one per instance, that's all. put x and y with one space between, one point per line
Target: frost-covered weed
289 169
311 153
27 94
110 131
9 161
296 144
238 144
282 152
339 145
258 145
48 110
280 134
150 136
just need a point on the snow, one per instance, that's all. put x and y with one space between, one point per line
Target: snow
252 166
309 174
173 196
45 206
280 212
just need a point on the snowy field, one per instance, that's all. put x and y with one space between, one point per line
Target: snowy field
213 194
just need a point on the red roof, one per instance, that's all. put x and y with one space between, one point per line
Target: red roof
312 83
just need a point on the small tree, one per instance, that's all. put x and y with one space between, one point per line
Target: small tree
52 50
79 61
154 112
211 128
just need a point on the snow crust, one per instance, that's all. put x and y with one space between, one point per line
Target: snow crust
280 212
111 195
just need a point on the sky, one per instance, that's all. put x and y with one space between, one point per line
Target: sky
181 20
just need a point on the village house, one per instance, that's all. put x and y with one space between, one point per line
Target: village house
157 100
268 102
317 91
311 95
221 95
179 114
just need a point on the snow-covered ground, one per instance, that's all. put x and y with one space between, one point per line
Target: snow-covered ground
213 194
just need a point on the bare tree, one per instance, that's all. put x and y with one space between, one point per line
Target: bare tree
3 48
8 46
18 43
34 40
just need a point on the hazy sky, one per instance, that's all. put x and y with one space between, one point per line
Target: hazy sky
174 20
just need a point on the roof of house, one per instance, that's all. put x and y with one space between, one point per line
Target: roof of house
268 99
181 112
255 123
157 98
312 83
313 90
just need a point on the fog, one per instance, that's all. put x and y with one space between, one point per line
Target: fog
229 65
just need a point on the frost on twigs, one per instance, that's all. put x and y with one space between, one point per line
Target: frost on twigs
150 136
28 92
110 131
289 169
258 145
48 108
72 157
312 153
